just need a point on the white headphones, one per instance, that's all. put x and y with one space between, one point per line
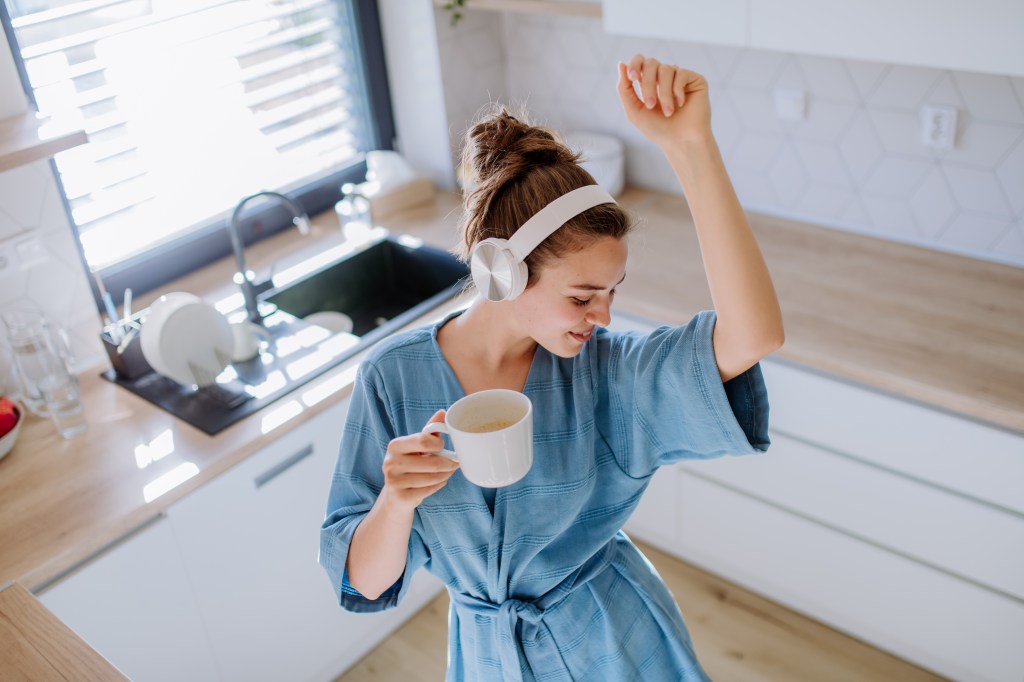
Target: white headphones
498 267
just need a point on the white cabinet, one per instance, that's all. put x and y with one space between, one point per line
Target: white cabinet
249 540
982 35
133 604
720 22
226 585
900 524
656 519
958 628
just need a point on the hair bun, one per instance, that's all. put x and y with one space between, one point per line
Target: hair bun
502 148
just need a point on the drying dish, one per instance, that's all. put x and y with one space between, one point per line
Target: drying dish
186 340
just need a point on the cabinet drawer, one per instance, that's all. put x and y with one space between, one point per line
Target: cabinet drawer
953 533
941 448
927 616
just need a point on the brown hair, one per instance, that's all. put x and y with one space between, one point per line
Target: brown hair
517 170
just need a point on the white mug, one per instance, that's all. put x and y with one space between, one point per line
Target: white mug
247 338
492 433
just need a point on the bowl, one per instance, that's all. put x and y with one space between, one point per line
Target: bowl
186 340
7 441
332 321
602 156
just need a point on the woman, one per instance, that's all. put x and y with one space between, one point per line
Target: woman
543 583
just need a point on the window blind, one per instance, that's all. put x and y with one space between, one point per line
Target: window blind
189 106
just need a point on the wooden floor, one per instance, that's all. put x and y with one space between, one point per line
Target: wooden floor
739 637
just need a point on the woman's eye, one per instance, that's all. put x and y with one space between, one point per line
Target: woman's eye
579 301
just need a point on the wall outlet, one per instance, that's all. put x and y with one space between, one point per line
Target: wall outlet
938 127
21 252
790 105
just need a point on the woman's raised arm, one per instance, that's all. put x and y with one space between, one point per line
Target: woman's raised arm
675 114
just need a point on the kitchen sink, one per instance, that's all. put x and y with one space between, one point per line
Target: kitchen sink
382 285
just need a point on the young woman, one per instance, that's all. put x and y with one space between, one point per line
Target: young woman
543 583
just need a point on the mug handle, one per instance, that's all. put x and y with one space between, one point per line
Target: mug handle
440 427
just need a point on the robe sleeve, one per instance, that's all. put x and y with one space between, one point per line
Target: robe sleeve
664 399
355 485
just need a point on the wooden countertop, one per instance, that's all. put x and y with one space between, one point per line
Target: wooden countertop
36 645
941 329
934 327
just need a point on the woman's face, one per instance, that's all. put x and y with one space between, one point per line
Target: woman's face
572 295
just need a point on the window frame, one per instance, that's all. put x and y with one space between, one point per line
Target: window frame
210 242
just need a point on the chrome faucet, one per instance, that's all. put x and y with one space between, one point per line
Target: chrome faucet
251 289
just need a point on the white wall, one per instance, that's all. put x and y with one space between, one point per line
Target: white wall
30 203
855 163
417 94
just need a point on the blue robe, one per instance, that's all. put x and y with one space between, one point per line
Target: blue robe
547 587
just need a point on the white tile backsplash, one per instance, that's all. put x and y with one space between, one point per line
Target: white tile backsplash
903 87
21 194
856 162
823 163
828 78
932 204
989 97
976 189
1010 174
57 286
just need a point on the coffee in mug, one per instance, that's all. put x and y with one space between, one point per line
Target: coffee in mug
492 425
492 436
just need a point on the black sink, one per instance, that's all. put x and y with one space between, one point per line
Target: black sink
382 286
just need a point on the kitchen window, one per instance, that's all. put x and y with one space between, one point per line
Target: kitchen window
191 105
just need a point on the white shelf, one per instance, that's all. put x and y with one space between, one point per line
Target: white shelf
24 139
549 7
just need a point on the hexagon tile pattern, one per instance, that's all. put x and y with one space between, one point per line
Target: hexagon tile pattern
855 162
57 286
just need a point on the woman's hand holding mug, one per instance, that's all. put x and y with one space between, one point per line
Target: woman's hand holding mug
413 471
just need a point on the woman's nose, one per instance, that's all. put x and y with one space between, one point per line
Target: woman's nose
600 314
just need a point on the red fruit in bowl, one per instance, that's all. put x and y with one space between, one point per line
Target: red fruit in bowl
8 416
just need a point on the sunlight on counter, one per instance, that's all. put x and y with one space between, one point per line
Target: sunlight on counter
169 481
156 449
280 415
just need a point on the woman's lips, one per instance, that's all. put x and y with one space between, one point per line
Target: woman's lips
581 338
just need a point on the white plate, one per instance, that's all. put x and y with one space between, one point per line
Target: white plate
186 339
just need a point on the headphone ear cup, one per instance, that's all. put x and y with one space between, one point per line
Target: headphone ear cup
497 273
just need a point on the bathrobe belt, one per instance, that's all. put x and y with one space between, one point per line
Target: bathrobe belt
509 612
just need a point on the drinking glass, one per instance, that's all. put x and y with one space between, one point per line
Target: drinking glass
48 387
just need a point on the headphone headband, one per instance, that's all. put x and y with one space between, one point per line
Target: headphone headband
544 223
499 267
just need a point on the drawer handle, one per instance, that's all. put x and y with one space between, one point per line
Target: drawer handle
282 466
